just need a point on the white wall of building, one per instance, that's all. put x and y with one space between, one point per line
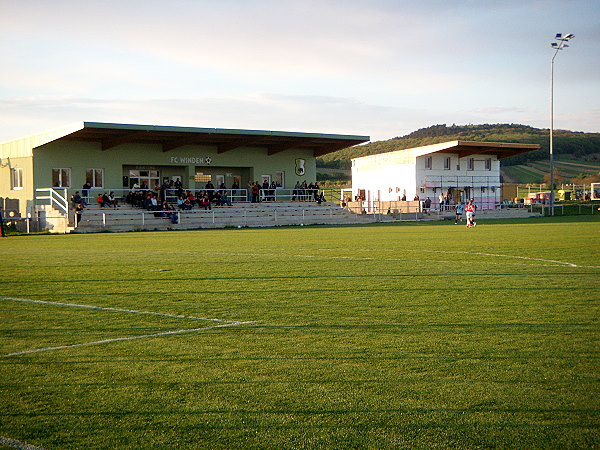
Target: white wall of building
386 177
474 176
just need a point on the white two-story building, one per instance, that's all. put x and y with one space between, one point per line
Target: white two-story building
458 170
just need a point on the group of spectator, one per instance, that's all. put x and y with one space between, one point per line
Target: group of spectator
107 200
203 199
266 191
307 192
160 199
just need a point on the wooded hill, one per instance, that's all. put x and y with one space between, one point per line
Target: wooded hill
580 149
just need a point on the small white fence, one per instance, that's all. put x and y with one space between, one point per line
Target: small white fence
57 198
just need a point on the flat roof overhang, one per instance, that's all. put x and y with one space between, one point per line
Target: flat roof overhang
500 149
110 135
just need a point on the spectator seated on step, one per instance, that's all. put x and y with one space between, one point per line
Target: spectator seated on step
78 199
136 198
152 202
216 198
206 202
225 200
170 212
184 204
114 202
198 199
103 200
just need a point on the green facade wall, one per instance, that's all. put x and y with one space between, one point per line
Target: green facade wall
247 163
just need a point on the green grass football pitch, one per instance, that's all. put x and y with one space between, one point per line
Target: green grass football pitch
383 336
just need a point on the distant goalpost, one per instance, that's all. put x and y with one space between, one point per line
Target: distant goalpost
595 191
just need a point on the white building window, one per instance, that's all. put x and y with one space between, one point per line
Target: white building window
16 178
447 163
428 163
61 178
95 177
471 164
488 164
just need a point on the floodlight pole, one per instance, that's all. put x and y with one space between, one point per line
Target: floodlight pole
551 133
559 45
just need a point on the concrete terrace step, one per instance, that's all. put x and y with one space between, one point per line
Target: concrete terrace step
127 218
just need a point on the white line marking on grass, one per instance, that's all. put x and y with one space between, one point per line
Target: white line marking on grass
446 261
497 255
359 258
13 443
128 338
564 263
108 308
224 323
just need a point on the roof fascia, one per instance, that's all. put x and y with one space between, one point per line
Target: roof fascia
292 134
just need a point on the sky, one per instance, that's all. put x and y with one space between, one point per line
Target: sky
380 68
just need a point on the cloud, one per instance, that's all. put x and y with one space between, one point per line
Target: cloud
258 111
502 110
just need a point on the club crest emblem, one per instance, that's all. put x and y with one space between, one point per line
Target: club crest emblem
300 166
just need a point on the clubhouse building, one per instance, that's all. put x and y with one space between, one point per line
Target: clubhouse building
456 171
118 157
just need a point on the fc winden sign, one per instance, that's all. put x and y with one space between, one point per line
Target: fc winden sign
191 160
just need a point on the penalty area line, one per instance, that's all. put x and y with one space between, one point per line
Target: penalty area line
128 338
108 308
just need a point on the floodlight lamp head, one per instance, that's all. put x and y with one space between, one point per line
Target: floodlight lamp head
558 35
554 44
569 36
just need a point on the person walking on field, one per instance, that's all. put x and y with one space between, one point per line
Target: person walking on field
470 210
459 212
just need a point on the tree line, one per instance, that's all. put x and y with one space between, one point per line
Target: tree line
581 146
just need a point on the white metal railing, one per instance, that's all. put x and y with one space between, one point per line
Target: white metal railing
53 197
234 195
